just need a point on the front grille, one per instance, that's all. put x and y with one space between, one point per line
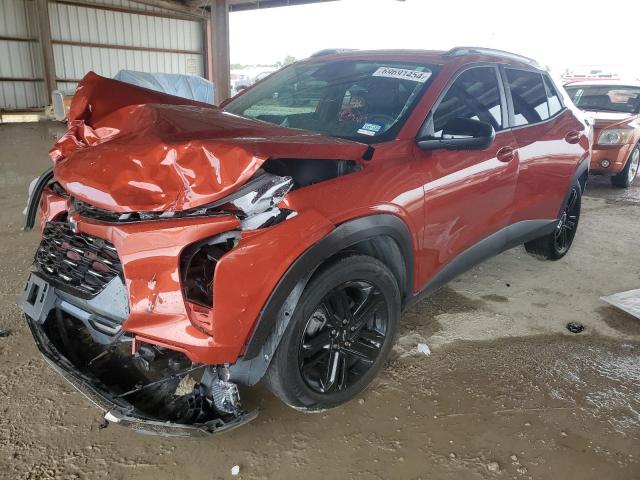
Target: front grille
90 211
76 262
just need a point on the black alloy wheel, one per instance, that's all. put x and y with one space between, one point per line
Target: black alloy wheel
557 244
343 337
339 334
568 223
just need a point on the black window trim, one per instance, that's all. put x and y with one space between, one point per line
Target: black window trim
427 125
512 126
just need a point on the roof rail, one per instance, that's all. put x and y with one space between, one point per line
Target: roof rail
458 51
332 51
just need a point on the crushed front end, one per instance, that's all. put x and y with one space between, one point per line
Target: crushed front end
165 229
75 303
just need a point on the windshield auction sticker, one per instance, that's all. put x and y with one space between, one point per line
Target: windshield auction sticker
370 129
402 74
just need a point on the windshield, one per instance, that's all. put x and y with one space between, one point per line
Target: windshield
606 98
365 101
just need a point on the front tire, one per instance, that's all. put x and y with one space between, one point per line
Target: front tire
339 336
556 245
629 173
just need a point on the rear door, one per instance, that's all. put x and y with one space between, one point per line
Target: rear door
548 138
468 194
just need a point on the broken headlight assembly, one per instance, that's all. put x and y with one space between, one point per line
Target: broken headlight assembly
197 265
256 206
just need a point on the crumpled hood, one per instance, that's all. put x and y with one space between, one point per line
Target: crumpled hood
132 149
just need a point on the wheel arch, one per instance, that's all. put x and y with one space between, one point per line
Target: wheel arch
382 236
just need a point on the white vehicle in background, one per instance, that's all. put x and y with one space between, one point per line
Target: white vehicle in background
244 78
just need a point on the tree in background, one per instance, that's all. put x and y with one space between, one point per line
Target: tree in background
288 60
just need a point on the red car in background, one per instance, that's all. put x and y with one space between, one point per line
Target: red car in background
187 249
614 108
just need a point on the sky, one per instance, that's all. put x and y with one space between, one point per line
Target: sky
560 34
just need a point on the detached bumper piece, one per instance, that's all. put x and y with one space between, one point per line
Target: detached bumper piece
118 410
154 391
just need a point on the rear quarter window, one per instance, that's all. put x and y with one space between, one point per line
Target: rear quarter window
529 97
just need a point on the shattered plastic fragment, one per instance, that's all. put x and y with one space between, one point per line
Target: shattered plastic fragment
235 470
424 348
268 194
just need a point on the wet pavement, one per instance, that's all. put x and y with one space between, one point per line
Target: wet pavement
507 393
600 187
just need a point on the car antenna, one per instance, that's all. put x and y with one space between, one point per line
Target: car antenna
368 154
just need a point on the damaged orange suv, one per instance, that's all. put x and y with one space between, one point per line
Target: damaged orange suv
614 108
188 249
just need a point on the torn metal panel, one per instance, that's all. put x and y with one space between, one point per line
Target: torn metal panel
627 301
129 149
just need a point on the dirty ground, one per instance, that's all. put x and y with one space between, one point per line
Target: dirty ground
507 391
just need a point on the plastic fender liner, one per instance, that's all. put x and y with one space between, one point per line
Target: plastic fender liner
274 317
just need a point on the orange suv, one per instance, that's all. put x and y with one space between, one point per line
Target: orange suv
615 110
188 249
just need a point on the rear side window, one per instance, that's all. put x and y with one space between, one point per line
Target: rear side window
529 97
552 96
475 94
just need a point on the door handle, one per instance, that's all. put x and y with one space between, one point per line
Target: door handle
573 137
506 154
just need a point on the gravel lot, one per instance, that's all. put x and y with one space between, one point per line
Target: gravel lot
506 393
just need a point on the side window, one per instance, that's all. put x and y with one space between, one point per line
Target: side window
475 94
552 96
529 97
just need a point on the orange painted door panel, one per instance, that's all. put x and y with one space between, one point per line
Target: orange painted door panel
468 197
547 163
550 140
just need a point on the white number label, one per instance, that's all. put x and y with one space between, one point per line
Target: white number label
402 74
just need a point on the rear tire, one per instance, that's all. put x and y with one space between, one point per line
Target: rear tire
629 173
556 245
339 336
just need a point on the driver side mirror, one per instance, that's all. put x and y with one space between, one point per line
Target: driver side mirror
461 134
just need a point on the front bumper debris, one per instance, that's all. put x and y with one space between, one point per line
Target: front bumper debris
116 405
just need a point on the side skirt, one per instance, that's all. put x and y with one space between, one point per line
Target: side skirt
505 239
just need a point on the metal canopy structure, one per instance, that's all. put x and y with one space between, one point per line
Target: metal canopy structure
218 64
216 17
51 44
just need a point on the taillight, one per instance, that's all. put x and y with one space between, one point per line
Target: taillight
197 266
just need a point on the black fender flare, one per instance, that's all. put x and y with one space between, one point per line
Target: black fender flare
274 317
34 198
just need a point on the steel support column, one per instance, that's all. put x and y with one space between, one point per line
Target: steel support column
44 35
219 48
